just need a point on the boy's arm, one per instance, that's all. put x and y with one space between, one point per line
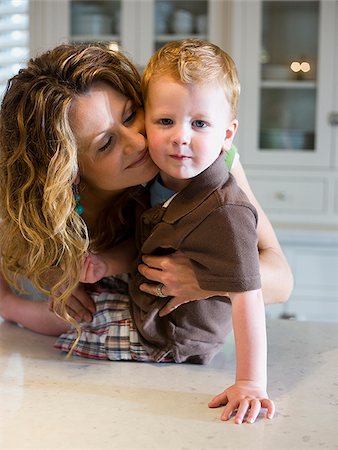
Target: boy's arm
109 262
248 395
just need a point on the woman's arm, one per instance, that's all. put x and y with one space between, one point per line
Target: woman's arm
276 275
32 314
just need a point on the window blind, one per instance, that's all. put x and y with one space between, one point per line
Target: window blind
14 38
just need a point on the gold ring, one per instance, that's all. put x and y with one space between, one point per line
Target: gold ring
159 292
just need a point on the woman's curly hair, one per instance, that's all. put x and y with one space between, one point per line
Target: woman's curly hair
40 230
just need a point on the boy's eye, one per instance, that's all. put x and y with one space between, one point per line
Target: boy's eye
199 123
165 121
130 118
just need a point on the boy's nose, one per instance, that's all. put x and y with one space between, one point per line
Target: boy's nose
181 135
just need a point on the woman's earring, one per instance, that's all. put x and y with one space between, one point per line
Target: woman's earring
78 208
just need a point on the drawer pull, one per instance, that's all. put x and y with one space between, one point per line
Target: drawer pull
333 118
281 195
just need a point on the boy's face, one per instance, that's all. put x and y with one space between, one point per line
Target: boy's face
187 126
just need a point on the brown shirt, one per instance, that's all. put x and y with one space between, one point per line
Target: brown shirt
212 222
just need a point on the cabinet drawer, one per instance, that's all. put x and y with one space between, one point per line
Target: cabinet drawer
290 195
316 269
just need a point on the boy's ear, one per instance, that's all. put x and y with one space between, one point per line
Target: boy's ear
230 134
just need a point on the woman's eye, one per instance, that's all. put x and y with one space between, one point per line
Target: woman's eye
165 121
130 118
199 123
106 145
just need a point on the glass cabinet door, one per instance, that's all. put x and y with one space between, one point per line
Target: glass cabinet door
288 64
95 21
139 27
287 78
179 19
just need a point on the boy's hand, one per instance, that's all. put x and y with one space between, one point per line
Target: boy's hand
80 305
94 268
243 397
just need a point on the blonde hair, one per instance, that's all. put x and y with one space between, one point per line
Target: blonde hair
39 228
194 61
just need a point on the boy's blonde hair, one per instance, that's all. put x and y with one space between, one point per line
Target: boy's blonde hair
194 61
39 227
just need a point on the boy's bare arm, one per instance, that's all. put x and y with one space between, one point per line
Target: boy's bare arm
109 262
248 394
117 260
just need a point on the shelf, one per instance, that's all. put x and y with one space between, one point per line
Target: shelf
288 84
95 38
177 37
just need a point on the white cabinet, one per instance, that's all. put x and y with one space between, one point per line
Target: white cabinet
138 27
313 257
288 132
287 55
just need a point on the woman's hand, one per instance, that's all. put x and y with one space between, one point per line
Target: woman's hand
243 398
176 274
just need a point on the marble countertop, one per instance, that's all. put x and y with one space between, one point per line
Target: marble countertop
48 402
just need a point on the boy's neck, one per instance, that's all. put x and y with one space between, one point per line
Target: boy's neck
174 184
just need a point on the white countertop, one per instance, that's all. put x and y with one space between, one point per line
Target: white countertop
47 402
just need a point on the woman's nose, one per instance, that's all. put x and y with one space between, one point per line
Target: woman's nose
134 141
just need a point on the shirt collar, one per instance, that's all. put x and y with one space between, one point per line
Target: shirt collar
197 190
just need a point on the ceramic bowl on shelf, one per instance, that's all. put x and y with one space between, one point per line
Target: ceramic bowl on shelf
276 138
182 22
92 24
276 72
201 24
163 12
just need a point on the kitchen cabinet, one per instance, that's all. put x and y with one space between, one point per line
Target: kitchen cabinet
137 27
287 56
313 256
288 133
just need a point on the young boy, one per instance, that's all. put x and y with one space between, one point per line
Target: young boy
190 93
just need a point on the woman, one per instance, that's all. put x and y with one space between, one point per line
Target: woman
55 153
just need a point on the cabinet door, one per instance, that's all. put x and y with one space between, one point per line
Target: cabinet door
315 294
92 21
137 27
287 76
161 21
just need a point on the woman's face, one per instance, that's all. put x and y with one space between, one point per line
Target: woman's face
112 150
